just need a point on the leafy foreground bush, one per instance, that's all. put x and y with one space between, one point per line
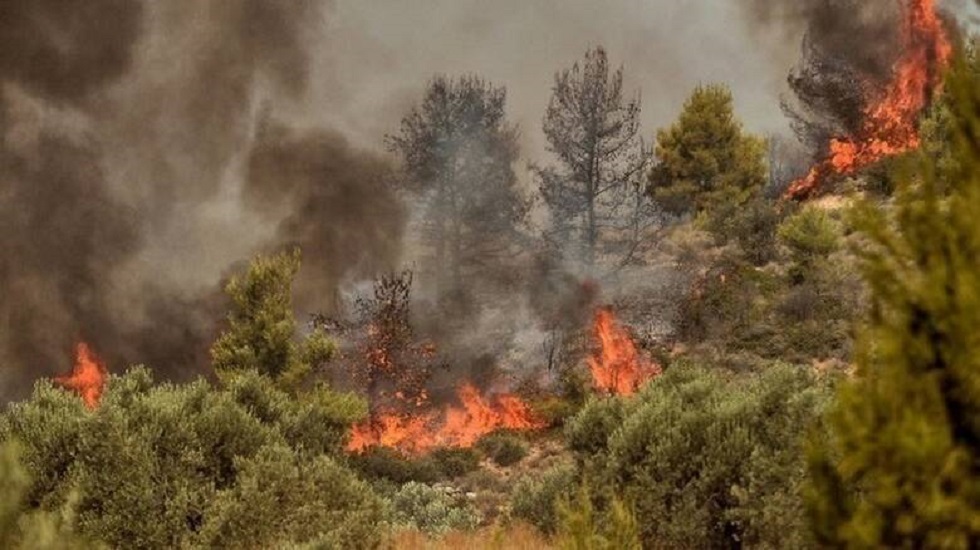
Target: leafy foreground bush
901 466
160 466
20 527
704 461
431 509
535 497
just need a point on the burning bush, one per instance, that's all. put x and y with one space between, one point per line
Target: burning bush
87 377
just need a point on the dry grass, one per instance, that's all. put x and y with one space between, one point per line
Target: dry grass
512 537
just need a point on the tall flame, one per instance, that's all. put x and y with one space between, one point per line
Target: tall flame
617 367
890 122
456 426
87 377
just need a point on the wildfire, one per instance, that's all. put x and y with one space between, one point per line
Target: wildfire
617 367
889 127
456 426
87 377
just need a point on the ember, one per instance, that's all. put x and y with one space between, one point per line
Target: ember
617 368
88 376
890 122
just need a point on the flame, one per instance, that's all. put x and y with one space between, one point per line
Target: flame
617 368
456 426
87 377
889 127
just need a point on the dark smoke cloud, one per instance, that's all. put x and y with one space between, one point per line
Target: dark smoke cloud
128 129
865 33
339 204
66 50
61 231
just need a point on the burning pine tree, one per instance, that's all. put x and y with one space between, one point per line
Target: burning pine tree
885 120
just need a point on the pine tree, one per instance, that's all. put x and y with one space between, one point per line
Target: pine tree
705 162
900 466
595 192
458 152
262 329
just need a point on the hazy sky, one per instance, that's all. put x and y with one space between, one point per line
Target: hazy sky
373 57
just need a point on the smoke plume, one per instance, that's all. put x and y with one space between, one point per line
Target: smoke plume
135 173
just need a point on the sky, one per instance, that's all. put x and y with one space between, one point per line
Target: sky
371 58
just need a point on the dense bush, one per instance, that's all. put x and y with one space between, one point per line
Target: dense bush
581 525
384 463
21 527
432 509
505 449
392 465
196 459
707 461
454 462
535 497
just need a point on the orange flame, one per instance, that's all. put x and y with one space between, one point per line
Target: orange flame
87 377
456 426
617 368
890 123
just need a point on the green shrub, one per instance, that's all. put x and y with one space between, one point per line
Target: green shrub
810 233
383 463
582 526
555 410
156 465
535 497
505 449
454 461
707 460
587 433
283 496
431 509
21 528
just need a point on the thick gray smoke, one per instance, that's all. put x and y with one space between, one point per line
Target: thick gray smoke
337 204
865 34
61 230
129 133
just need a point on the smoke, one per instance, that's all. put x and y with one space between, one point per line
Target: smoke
865 34
135 174
61 230
338 204
147 149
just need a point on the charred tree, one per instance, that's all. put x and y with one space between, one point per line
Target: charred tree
594 191
391 364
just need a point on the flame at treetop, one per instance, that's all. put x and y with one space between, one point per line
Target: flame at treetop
87 377
455 426
890 122
617 367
